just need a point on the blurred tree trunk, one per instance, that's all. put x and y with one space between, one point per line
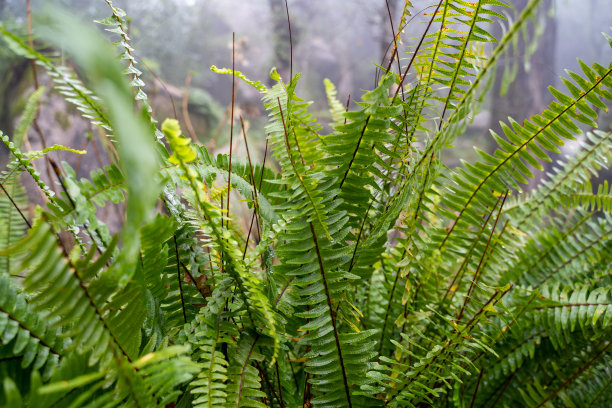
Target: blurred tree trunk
528 94
9 91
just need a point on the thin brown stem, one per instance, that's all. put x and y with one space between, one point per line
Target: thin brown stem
331 314
573 377
484 253
477 386
290 42
229 176
16 206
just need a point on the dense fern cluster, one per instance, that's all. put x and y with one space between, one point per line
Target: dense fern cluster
371 275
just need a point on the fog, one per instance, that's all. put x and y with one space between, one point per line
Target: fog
339 39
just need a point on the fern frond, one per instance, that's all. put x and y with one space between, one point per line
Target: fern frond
66 82
26 334
13 210
473 187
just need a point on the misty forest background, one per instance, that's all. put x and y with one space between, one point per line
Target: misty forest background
343 40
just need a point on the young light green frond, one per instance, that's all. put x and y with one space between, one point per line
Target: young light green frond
226 71
249 284
336 109
120 28
29 113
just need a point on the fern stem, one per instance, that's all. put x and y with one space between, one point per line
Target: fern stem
517 150
229 176
16 207
573 376
573 305
418 48
244 368
451 342
388 311
358 239
297 173
567 234
255 197
85 288
280 388
31 333
263 166
331 314
464 47
504 388
355 151
290 43
477 386
459 275
484 253
570 259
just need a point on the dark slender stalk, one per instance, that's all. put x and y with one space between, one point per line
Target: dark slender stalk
348 101
264 375
244 368
384 327
466 43
163 84
570 259
573 377
476 389
484 253
16 207
574 305
290 42
280 389
255 198
24 327
229 176
282 292
394 54
354 256
58 174
355 151
195 283
417 49
332 315
263 166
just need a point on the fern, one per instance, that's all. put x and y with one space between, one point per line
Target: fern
379 277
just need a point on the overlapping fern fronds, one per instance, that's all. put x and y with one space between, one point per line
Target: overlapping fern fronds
378 277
